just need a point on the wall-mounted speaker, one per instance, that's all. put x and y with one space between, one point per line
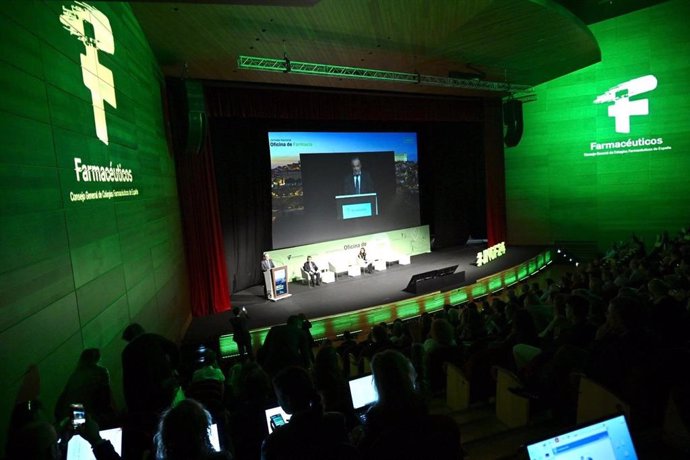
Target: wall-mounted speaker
512 122
187 109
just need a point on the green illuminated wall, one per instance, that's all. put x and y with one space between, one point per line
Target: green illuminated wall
73 274
555 192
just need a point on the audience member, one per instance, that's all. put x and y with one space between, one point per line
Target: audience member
149 363
285 345
241 335
311 432
89 385
398 424
183 434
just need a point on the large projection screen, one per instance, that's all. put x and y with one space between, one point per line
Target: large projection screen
330 185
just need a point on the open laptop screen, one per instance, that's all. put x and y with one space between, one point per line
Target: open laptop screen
79 449
605 440
363 391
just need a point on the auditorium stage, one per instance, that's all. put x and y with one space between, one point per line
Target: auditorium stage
349 294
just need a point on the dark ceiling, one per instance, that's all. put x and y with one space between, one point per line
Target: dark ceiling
523 42
591 11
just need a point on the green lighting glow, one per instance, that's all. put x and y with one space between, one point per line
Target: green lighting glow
478 291
522 272
406 309
383 315
409 311
458 297
605 149
495 284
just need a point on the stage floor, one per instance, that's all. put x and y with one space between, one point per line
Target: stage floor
349 294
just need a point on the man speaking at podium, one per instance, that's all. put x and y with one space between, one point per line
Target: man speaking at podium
266 264
358 181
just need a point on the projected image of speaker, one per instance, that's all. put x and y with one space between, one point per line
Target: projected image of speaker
512 122
355 206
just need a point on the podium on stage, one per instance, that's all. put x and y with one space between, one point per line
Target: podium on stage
276 280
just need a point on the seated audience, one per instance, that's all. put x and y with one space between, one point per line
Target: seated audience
311 433
398 425
183 434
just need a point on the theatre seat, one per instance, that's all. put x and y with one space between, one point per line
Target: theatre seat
596 401
457 388
511 409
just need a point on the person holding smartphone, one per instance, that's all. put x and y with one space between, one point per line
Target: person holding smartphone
311 432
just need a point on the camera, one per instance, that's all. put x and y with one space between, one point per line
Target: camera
78 415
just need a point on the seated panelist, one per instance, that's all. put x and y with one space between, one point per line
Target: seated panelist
364 262
312 270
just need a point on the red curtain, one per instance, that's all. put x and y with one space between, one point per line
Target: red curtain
203 237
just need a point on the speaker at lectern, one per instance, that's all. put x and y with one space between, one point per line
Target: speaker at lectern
277 283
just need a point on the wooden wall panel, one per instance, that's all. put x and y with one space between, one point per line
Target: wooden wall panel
74 274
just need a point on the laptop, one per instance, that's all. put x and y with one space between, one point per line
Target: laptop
608 439
79 449
276 415
363 393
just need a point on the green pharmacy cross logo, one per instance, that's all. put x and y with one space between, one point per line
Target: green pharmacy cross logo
97 78
623 108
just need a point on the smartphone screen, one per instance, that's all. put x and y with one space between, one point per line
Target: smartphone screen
277 420
78 414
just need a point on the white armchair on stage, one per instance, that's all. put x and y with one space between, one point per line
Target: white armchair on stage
327 276
379 265
393 257
354 270
338 266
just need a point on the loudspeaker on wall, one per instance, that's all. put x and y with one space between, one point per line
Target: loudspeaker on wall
187 109
512 122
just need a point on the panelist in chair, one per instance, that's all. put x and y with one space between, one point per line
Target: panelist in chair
357 181
312 271
364 262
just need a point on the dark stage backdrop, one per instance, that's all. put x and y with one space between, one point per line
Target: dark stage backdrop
451 176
